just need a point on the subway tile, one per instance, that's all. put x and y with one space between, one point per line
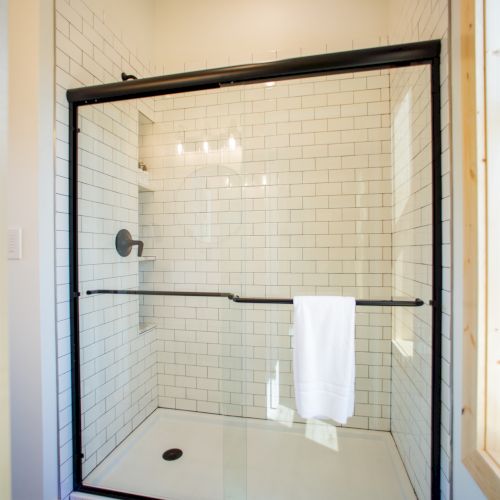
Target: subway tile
319 201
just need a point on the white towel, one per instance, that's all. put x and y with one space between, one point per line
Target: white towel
323 357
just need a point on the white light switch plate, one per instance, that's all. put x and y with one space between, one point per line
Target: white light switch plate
14 243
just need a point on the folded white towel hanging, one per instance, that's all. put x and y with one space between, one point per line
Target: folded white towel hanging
323 357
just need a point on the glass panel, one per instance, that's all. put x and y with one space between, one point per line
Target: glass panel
118 373
412 270
118 365
312 186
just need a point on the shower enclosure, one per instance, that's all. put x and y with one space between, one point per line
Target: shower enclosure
201 204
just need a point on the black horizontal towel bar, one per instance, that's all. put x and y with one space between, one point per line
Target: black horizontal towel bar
252 300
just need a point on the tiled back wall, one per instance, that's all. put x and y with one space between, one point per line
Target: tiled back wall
267 190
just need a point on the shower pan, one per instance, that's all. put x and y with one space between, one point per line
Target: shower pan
243 187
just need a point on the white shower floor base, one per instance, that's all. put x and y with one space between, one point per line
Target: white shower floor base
234 458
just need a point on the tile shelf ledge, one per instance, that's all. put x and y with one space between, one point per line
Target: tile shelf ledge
146 327
143 182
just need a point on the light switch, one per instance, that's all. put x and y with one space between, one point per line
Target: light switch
14 243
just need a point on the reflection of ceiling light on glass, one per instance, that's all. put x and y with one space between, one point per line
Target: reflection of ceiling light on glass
270 84
205 147
232 143
322 433
180 149
264 180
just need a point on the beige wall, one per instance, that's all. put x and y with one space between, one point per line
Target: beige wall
196 34
4 367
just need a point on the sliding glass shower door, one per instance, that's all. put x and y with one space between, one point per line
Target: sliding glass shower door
196 207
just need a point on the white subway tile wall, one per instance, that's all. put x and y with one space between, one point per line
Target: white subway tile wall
276 189
413 21
88 53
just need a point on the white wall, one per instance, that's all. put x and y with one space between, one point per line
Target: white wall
197 34
186 35
30 181
132 21
4 344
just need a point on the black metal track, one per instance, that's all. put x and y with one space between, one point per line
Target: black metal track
437 280
251 300
339 62
76 414
352 61
120 495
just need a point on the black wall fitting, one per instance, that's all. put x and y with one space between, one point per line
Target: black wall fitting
124 243
126 77
392 56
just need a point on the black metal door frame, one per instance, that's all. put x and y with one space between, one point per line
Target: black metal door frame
393 56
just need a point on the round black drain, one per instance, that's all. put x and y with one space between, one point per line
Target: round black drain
172 454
